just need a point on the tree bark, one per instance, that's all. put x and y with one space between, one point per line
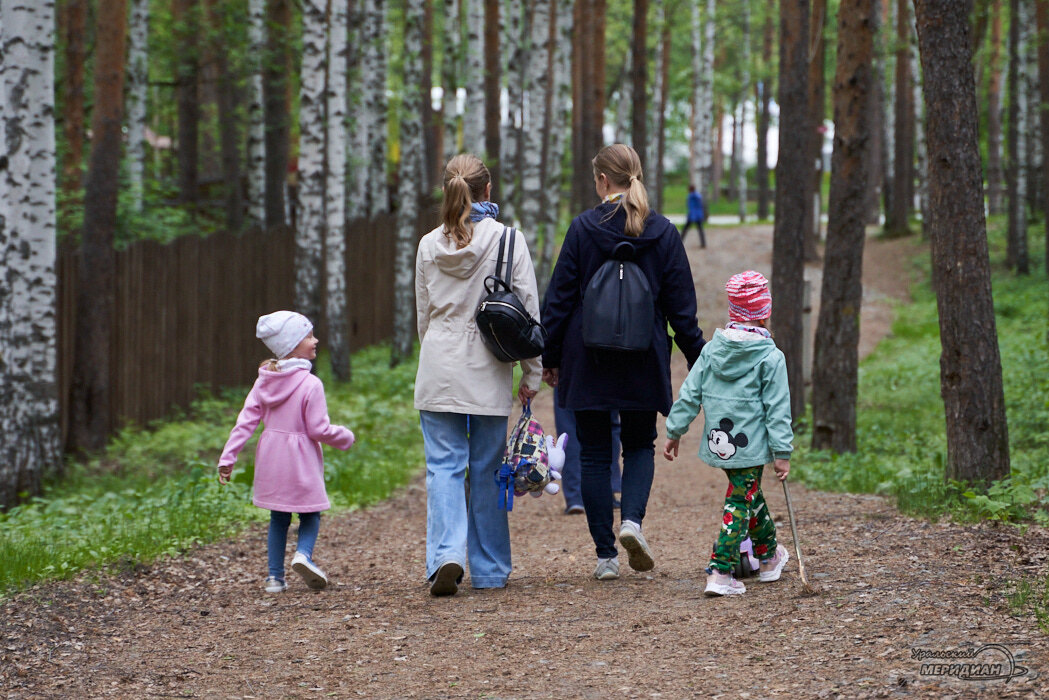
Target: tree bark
375 72
903 160
138 85
536 90
74 32
1042 20
738 165
335 189
995 175
226 101
408 193
30 449
276 69
764 116
451 68
515 55
970 364
788 244
492 78
431 118
187 32
657 167
256 180
817 100
90 419
474 116
560 127
876 177
639 80
836 355
1016 236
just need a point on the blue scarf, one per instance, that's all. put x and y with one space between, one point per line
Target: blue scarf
483 210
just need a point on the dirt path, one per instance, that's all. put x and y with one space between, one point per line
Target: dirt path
892 588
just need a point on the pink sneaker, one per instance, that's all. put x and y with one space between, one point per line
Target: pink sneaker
719 583
771 569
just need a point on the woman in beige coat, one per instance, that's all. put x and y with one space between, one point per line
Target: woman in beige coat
464 394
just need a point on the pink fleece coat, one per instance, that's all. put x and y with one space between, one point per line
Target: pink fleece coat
289 468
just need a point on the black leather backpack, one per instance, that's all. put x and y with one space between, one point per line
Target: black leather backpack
508 330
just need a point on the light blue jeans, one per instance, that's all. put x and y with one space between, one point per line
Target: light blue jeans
460 447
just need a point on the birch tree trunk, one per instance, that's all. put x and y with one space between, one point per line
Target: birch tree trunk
515 56
375 70
408 185
624 102
335 192
921 166
1042 20
277 109
648 149
534 136
705 154
355 202
473 117
903 161
309 233
995 175
836 353
876 176
788 244
1034 107
814 136
560 126
218 70
662 95
765 116
256 194
970 363
889 123
639 81
30 436
138 85
90 419
1016 237
738 164
451 68
492 87
697 129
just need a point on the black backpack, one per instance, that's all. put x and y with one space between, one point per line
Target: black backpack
618 309
506 327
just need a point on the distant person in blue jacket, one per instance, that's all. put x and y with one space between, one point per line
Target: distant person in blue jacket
697 214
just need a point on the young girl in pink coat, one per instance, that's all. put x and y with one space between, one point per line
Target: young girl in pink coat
289 468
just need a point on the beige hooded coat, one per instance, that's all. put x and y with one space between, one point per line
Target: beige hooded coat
457 373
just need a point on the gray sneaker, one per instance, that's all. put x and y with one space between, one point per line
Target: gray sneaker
640 556
607 569
274 585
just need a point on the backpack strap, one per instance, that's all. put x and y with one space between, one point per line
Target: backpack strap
499 260
510 256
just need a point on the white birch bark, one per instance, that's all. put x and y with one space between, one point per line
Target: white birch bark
375 69
741 167
560 127
534 133
451 67
256 194
698 129
335 192
514 60
309 236
889 81
921 169
29 427
409 182
137 87
1034 150
624 99
652 147
356 194
705 154
473 117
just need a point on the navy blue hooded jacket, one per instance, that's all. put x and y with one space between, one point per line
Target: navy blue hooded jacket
595 380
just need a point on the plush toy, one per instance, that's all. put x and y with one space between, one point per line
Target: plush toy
555 458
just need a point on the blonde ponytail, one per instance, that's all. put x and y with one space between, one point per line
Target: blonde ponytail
622 166
465 180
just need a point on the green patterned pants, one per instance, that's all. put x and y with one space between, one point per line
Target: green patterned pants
745 512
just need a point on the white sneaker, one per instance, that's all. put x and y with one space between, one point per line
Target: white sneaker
310 572
777 562
719 583
607 569
640 556
274 585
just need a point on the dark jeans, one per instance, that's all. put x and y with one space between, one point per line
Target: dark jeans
638 435
699 227
571 478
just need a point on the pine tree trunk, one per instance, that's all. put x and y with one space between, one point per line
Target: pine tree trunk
408 193
309 232
765 117
226 101
90 419
335 192
138 85
355 203
375 71
661 113
738 165
473 118
537 86
624 101
876 176
589 107
277 67
836 355
187 32
921 166
30 438
1034 145
817 111
451 68
889 123
1016 236
560 125
1042 20
492 79
788 244
649 149
74 33
970 364
256 193
995 175
697 127
903 159
514 54
639 82
432 123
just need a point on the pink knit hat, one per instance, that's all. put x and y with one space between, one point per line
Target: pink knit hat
749 298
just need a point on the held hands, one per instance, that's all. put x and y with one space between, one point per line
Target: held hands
670 449
782 467
224 473
550 376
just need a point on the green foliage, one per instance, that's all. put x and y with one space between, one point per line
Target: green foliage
901 438
154 492
1030 596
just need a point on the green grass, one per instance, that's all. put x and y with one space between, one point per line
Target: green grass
154 492
901 426
1030 596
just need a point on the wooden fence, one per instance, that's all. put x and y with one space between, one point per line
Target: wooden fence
185 312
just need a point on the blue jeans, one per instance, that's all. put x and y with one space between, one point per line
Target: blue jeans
460 447
638 433
564 422
309 527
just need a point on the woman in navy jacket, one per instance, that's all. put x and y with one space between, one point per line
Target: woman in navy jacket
593 384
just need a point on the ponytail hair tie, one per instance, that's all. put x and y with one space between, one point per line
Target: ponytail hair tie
633 178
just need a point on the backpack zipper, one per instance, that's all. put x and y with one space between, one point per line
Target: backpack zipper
619 316
496 339
485 304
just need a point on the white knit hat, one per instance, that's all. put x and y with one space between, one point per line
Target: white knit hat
281 331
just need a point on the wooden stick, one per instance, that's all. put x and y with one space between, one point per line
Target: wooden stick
808 588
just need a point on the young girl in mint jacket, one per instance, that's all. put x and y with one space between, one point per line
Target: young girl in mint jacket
740 382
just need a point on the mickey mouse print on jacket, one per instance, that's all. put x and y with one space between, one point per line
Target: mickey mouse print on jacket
740 381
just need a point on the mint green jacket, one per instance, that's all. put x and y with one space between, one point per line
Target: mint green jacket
740 382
